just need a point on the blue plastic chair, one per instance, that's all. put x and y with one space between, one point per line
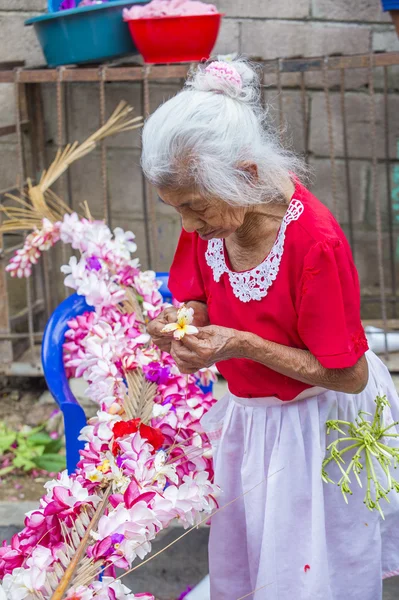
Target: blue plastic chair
54 370
56 379
164 289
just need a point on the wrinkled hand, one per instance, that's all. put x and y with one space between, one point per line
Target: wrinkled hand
154 328
210 345
169 315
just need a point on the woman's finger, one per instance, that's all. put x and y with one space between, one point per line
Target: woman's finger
183 353
170 314
191 342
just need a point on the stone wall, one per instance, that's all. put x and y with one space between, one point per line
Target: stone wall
264 29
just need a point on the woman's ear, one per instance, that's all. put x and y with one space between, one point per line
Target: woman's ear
249 170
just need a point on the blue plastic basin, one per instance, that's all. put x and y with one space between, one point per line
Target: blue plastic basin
81 35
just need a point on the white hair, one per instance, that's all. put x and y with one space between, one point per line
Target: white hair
206 135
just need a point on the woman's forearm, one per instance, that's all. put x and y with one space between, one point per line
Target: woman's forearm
302 365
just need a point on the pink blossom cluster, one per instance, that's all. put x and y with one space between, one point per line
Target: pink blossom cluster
36 242
105 268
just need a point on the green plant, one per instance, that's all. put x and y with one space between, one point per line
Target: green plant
367 439
29 449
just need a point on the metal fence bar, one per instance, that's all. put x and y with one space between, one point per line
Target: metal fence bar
21 180
305 118
280 99
104 171
150 196
145 194
61 144
330 139
389 192
347 165
376 197
167 72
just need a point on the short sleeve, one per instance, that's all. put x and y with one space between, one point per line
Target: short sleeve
329 306
185 279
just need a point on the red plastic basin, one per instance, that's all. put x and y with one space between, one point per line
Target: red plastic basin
175 39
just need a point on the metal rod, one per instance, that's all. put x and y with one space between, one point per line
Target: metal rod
60 144
389 191
347 165
166 72
377 200
330 139
21 336
305 118
152 213
103 156
145 200
280 99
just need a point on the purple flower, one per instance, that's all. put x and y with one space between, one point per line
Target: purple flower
156 373
93 263
67 4
184 594
117 538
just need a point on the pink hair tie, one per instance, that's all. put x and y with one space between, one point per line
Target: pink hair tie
226 72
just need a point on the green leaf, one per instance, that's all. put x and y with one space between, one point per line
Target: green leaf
6 470
22 462
6 441
53 463
39 439
54 446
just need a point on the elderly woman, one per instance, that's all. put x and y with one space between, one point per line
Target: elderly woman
271 278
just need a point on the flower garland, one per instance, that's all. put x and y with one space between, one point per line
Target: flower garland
146 459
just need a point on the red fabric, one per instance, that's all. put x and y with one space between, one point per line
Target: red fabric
313 304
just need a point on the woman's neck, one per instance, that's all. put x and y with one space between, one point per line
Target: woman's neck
263 220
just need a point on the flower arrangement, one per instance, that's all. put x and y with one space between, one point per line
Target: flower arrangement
146 459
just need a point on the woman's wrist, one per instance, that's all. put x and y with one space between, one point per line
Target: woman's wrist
244 344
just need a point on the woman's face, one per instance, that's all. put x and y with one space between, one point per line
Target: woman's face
209 217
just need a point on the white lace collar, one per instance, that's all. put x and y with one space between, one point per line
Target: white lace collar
253 284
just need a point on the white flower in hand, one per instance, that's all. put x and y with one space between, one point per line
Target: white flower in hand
183 325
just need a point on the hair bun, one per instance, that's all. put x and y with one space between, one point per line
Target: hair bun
233 77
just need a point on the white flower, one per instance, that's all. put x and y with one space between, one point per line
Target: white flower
75 272
146 282
164 471
182 327
23 584
124 243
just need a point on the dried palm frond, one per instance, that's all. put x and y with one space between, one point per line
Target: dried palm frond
132 305
139 400
39 202
75 569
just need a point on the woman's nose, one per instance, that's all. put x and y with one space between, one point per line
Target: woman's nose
191 223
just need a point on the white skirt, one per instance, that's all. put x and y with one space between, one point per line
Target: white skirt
289 535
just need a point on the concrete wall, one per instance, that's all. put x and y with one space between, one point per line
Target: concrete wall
262 29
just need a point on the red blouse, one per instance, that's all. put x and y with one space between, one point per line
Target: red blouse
305 295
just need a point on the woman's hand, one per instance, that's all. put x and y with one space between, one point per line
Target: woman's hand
154 328
169 315
210 345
